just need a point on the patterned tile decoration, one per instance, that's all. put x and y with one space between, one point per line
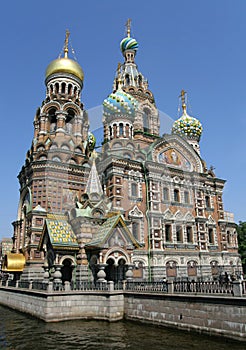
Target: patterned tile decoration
61 233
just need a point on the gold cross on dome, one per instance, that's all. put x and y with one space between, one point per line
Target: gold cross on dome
128 27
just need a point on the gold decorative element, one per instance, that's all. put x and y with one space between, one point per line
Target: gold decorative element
13 262
128 27
66 44
182 95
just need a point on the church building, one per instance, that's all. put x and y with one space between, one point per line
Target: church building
142 206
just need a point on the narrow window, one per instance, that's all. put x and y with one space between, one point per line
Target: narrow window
176 195
186 197
179 234
211 235
135 230
121 129
189 234
165 194
207 201
168 233
134 189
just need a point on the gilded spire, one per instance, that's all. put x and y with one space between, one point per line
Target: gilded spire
128 27
183 95
66 44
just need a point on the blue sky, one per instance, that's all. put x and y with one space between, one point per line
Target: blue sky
194 45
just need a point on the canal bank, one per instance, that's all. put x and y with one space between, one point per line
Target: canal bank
213 314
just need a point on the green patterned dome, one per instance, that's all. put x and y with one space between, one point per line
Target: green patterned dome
119 103
188 127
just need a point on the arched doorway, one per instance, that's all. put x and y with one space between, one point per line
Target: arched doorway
67 271
115 272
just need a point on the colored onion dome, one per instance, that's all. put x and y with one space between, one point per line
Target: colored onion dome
65 64
91 141
128 43
120 103
187 126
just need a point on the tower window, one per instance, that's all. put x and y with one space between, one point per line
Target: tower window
176 195
121 129
211 235
186 197
146 117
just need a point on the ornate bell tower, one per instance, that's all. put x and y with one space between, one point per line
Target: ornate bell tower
54 174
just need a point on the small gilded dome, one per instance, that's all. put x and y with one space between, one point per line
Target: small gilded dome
128 43
65 65
187 126
120 103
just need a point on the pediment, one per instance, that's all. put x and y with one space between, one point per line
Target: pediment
173 151
136 212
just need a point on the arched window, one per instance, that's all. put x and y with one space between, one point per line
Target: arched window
63 88
146 119
127 79
121 129
57 88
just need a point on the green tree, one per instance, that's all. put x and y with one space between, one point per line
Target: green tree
241 234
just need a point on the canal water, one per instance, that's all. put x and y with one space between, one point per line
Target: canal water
20 331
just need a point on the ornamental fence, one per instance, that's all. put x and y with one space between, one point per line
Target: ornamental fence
235 288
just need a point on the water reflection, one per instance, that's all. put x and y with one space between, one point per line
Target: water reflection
20 331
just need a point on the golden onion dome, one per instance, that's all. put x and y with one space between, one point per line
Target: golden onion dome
65 65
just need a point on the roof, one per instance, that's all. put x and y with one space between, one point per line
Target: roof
61 234
106 229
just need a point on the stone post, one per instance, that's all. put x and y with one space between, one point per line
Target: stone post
170 288
111 286
30 284
237 288
67 286
50 287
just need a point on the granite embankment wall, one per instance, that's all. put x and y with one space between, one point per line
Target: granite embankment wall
219 315
61 306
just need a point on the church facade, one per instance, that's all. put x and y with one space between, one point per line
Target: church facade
144 206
